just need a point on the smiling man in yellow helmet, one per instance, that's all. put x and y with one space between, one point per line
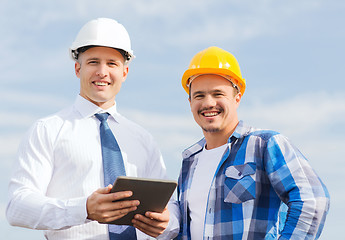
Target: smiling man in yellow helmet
238 181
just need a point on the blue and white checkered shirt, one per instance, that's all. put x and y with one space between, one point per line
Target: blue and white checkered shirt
260 173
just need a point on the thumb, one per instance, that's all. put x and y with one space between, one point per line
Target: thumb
105 190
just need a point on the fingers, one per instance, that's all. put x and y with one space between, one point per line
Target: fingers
145 225
104 207
105 189
153 224
109 216
160 217
120 195
109 211
114 196
102 195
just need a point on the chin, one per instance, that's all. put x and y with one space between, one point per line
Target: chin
211 129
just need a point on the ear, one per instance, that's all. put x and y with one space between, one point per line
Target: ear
77 69
238 98
125 72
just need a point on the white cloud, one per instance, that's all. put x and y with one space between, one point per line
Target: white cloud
29 100
230 22
2 210
299 115
9 144
184 22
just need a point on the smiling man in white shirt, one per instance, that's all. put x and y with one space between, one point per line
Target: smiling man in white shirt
57 183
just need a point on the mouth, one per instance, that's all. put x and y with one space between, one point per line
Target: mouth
101 83
209 113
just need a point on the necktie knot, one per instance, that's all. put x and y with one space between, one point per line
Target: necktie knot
102 116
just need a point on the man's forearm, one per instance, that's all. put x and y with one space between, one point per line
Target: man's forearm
34 211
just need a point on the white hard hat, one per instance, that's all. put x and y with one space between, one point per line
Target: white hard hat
103 32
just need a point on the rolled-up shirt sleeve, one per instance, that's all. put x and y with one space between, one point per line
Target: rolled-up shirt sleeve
299 188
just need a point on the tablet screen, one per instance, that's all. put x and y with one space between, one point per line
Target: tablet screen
153 194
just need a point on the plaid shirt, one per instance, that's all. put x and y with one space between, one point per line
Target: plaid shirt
258 174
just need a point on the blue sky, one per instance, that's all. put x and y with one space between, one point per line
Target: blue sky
290 52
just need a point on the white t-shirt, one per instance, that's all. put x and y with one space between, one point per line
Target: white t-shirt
207 164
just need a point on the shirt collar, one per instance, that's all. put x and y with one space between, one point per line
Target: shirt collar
88 109
241 130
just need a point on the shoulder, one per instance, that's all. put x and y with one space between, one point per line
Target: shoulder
53 122
133 128
264 134
58 117
193 149
271 143
245 131
263 138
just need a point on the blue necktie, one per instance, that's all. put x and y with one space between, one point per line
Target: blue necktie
113 167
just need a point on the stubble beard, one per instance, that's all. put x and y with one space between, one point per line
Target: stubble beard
210 130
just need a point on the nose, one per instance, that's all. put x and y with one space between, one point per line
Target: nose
102 71
209 101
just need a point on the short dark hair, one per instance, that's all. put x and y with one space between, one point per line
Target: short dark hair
80 50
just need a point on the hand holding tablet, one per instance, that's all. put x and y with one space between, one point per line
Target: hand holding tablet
153 194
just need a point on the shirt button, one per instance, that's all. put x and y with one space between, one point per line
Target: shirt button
239 174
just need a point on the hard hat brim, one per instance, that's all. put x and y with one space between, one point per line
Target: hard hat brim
131 55
240 82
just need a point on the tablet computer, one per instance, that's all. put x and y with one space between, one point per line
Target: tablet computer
153 194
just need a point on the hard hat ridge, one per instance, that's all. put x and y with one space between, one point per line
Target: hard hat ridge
103 32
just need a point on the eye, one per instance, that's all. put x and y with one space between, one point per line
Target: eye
218 94
92 62
199 96
113 64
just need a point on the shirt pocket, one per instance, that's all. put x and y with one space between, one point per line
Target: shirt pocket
239 185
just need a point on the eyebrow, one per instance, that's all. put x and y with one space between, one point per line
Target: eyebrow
198 92
204 92
92 58
96 58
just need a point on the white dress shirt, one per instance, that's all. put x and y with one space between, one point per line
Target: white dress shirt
59 165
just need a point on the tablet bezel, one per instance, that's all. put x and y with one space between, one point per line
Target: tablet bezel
153 194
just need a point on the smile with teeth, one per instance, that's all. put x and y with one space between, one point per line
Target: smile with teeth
210 114
101 83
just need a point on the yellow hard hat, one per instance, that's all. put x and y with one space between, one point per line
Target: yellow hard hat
214 60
